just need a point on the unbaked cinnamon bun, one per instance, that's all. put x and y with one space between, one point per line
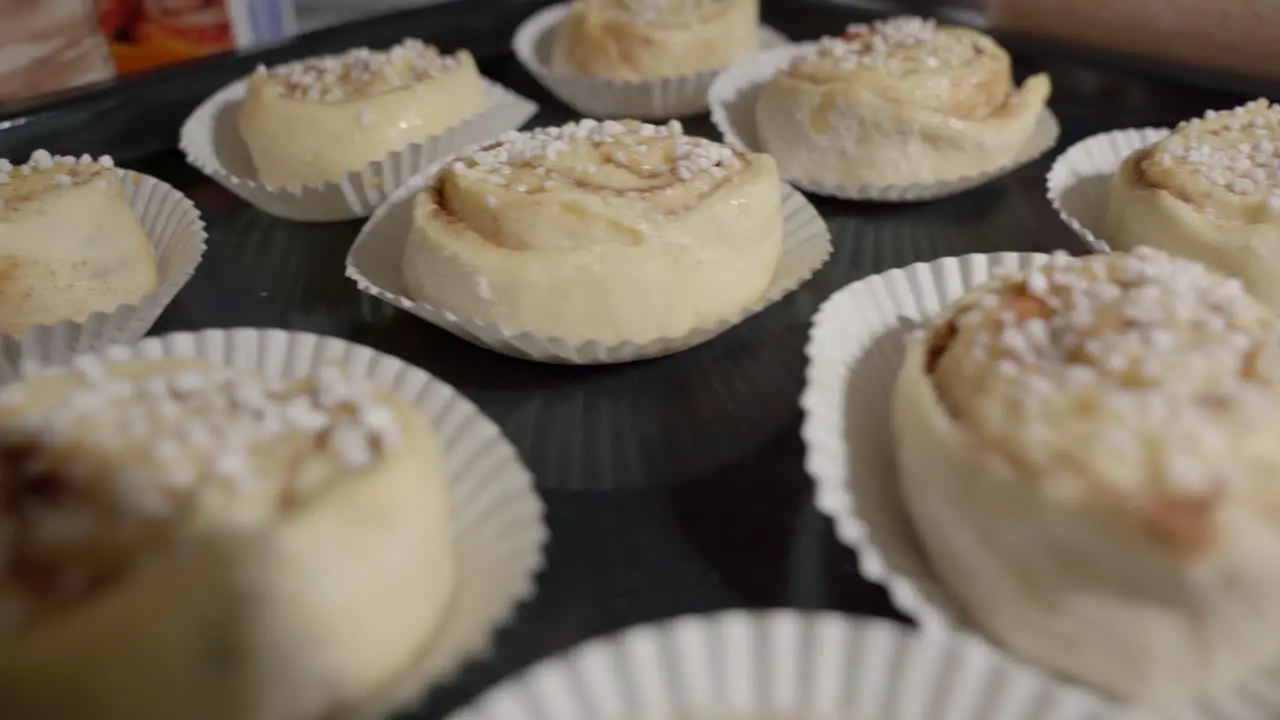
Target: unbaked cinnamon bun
1087 451
70 244
312 121
1209 191
179 539
607 231
645 39
898 101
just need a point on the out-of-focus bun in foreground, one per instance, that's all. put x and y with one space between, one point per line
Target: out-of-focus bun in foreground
187 540
1087 452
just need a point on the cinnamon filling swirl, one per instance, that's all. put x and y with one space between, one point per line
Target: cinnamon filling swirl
603 230
639 39
956 71
895 102
632 168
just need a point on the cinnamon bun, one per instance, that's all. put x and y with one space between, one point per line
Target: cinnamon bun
187 540
1087 451
606 231
898 101
1209 191
312 121
70 244
647 39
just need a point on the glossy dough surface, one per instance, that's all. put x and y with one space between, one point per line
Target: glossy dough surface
185 540
898 101
1088 453
1211 192
644 39
70 244
613 231
313 121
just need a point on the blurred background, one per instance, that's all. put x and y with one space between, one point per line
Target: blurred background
49 46
322 13
315 14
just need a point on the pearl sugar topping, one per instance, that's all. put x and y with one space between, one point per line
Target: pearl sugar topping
1239 152
1157 360
1152 294
203 426
42 160
904 42
654 10
691 157
333 78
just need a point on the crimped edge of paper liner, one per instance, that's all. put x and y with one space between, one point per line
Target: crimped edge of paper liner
843 329
745 78
658 98
500 535
780 664
359 192
806 244
1074 184
866 506
176 232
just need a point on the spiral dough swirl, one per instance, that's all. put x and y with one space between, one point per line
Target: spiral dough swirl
640 229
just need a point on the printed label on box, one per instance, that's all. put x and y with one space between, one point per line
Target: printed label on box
149 33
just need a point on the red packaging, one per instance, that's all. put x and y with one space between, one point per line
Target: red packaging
145 34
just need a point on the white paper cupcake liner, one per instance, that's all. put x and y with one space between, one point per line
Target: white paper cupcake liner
1079 183
855 350
212 143
499 534
376 259
660 98
781 664
173 226
733 95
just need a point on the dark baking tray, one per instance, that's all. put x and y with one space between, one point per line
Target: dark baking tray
672 485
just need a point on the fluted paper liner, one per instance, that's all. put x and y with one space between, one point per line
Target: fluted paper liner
498 535
212 143
1079 183
781 664
656 99
855 350
176 232
733 96
376 259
